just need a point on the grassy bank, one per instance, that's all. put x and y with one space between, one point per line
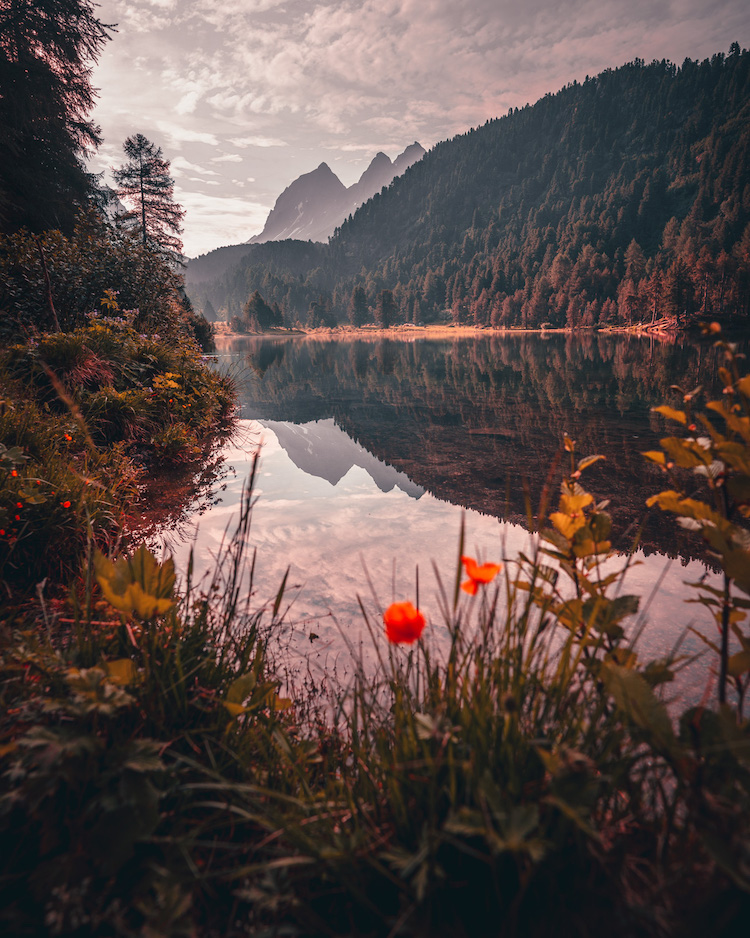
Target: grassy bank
528 780
105 396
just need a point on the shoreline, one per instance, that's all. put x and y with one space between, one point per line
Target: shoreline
445 331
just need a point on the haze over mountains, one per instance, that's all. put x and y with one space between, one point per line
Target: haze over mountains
615 201
315 204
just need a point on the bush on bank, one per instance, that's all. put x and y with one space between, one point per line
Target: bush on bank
87 408
50 281
529 779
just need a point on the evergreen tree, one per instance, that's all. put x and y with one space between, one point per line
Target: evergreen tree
385 309
259 315
144 181
357 310
47 48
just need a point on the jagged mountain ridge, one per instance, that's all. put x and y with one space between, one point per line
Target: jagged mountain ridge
316 203
616 201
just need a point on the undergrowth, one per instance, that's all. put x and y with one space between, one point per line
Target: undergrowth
525 779
83 414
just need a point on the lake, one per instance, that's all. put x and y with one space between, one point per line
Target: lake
374 450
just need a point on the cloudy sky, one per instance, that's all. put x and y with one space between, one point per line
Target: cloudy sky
243 96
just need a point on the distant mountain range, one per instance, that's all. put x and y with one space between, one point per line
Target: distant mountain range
315 204
620 200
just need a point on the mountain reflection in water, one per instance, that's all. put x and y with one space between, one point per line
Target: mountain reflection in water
371 449
322 449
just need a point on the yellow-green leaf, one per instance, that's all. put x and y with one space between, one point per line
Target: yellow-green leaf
233 709
138 585
738 664
588 548
655 456
588 461
671 413
121 671
686 453
566 525
572 504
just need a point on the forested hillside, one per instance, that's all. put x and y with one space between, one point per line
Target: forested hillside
619 200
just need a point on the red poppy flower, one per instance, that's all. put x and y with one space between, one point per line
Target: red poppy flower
403 623
478 574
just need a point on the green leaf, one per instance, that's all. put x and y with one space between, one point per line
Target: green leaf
601 525
241 688
736 563
635 698
139 585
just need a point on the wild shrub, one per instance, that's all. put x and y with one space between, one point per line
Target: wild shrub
80 269
84 409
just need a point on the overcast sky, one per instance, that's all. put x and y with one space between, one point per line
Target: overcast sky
243 96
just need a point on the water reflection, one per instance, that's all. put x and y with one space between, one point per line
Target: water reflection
475 420
322 449
370 450
334 537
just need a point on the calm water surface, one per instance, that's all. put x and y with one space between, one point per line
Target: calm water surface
373 451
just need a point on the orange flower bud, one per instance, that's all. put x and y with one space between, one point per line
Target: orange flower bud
403 623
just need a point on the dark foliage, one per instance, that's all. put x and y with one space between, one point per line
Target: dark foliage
47 49
258 315
96 258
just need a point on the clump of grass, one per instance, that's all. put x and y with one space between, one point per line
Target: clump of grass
127 714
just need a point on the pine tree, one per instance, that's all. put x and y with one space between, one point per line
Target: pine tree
357 310
385 309
144 181
47 49
259 315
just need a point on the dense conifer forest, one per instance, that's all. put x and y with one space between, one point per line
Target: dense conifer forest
621 200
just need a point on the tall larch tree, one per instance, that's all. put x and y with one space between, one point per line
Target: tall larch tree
145 183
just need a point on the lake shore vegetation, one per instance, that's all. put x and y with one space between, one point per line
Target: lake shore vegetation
158 779
102 383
